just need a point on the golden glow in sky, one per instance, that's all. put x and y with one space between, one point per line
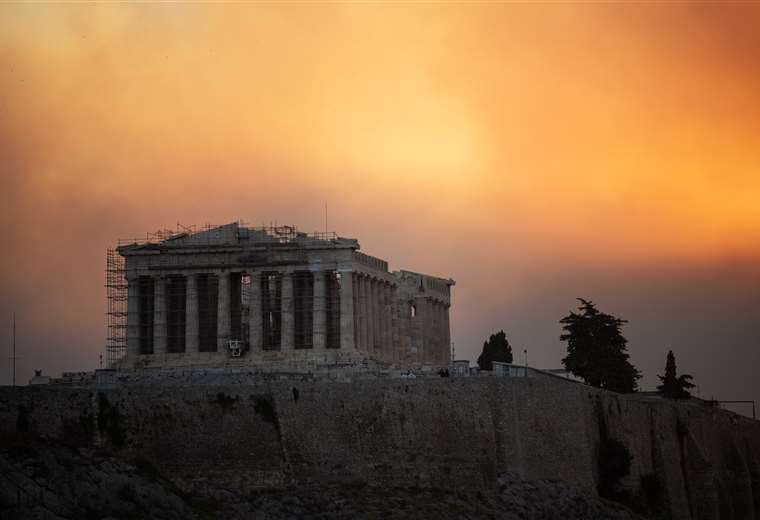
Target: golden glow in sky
572 118
486 141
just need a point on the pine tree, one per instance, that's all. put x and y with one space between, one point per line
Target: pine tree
596 349
673 386
497 348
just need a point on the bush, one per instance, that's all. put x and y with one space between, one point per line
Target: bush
226 401
22 421
146 468
111 422
651 490
263 407
614 464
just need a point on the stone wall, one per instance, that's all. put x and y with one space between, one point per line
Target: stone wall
449 433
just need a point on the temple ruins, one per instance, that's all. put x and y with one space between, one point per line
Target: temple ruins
243 295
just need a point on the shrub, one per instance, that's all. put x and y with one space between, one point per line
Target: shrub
111 422
226 401
22 421
651 490
614 464
263 407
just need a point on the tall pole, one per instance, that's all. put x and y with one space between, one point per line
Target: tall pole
13 358
526 361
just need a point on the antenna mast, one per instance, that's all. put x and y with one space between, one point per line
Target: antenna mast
13 355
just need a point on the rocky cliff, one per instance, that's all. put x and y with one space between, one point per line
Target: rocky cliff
453 435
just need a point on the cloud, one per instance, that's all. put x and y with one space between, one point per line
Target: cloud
533 152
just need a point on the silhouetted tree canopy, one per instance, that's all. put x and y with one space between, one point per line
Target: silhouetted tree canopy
614 464
674 387
596 349
497 348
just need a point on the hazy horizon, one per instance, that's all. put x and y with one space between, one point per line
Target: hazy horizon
536 153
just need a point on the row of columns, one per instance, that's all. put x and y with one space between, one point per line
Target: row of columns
319 325
373 321
440 333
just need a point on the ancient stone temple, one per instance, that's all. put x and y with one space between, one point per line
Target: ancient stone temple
276 294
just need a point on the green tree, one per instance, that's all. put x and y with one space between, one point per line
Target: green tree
674 387
596 349
497 348
614 463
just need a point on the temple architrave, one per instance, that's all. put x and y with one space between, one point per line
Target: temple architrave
277 294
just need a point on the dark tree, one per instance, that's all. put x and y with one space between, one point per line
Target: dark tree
497 348
674 387
614 464
596 349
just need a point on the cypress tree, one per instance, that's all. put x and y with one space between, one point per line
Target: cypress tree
596 349
673 386
497 348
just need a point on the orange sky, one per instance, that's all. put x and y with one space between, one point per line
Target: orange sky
519 148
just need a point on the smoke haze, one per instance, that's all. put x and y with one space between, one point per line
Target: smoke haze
535 153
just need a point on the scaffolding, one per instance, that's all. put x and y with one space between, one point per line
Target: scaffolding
272 235
116 315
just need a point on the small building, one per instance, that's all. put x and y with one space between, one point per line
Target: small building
509 370
459 368
39 379
105 378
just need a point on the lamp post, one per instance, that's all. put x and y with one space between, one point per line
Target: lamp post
525 351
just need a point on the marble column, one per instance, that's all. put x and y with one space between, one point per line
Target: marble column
159 315
362 340
371 315
192 338
447 329
444 335
438 326
287 310
386 320
378 317
357 307
255 322
319 325
347 310
395 339
133 316
223 322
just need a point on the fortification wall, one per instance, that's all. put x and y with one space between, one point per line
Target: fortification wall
449 433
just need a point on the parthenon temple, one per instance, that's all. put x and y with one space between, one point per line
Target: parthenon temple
275 294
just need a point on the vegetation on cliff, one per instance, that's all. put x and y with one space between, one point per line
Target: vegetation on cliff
111 422
497 348
596 349
674 386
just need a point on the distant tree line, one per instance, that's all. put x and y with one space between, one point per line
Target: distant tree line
596 352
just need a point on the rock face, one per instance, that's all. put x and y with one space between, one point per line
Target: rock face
515 499
466 436
46 482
